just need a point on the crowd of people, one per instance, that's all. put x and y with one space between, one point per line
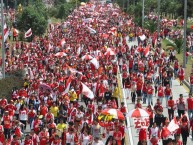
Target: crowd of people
79 59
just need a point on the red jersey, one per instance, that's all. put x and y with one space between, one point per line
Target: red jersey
150 90
2 138
190 103
160 92
7 122
43 110
11 108
168 91
44 136
118 137
28 142
15 142
3 103
123 109
191 80
56 142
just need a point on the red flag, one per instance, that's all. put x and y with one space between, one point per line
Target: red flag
28 33
146 51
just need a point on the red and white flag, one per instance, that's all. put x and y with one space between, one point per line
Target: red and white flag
173 125
87 92
146 51
6 32
28 33
95 62
68 83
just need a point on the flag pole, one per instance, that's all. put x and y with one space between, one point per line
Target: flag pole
2 47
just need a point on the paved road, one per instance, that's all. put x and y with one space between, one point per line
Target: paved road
176 90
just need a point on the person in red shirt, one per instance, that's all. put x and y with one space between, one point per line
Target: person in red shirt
28 140
123 110
43 109
2 136
181 74
168 94
160 93
191 83
3 103
6 119
44 137
118 136
56 141
171 108
11 108
15 140
158 106
35 137
31 115
154 140
36 124
138 104
142 135
190 106
122 130
139 87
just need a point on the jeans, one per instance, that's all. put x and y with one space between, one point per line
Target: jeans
191 87
190 113
161 99
167 98
144 97
149 98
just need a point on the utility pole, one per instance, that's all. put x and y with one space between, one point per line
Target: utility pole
143 13
158 23
2 33
185 27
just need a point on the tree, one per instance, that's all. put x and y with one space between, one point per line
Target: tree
66 8
34 17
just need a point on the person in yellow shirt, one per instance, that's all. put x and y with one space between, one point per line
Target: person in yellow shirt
73 96
60 127
116 93
54 110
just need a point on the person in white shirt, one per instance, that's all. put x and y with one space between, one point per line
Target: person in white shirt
97 141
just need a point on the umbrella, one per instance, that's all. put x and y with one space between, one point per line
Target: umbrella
45 87
138 113
115 113
87 57
111 52
60 54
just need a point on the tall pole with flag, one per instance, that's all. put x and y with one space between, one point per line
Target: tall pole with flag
2 47
143 7
185 27
158 23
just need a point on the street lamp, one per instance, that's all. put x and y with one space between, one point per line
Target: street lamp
185 27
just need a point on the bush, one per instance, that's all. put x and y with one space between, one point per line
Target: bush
12 80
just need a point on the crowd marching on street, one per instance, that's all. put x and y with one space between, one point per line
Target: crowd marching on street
71 94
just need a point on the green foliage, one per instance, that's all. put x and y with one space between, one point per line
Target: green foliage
176 45
12 80
65 10
34 17
151 25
